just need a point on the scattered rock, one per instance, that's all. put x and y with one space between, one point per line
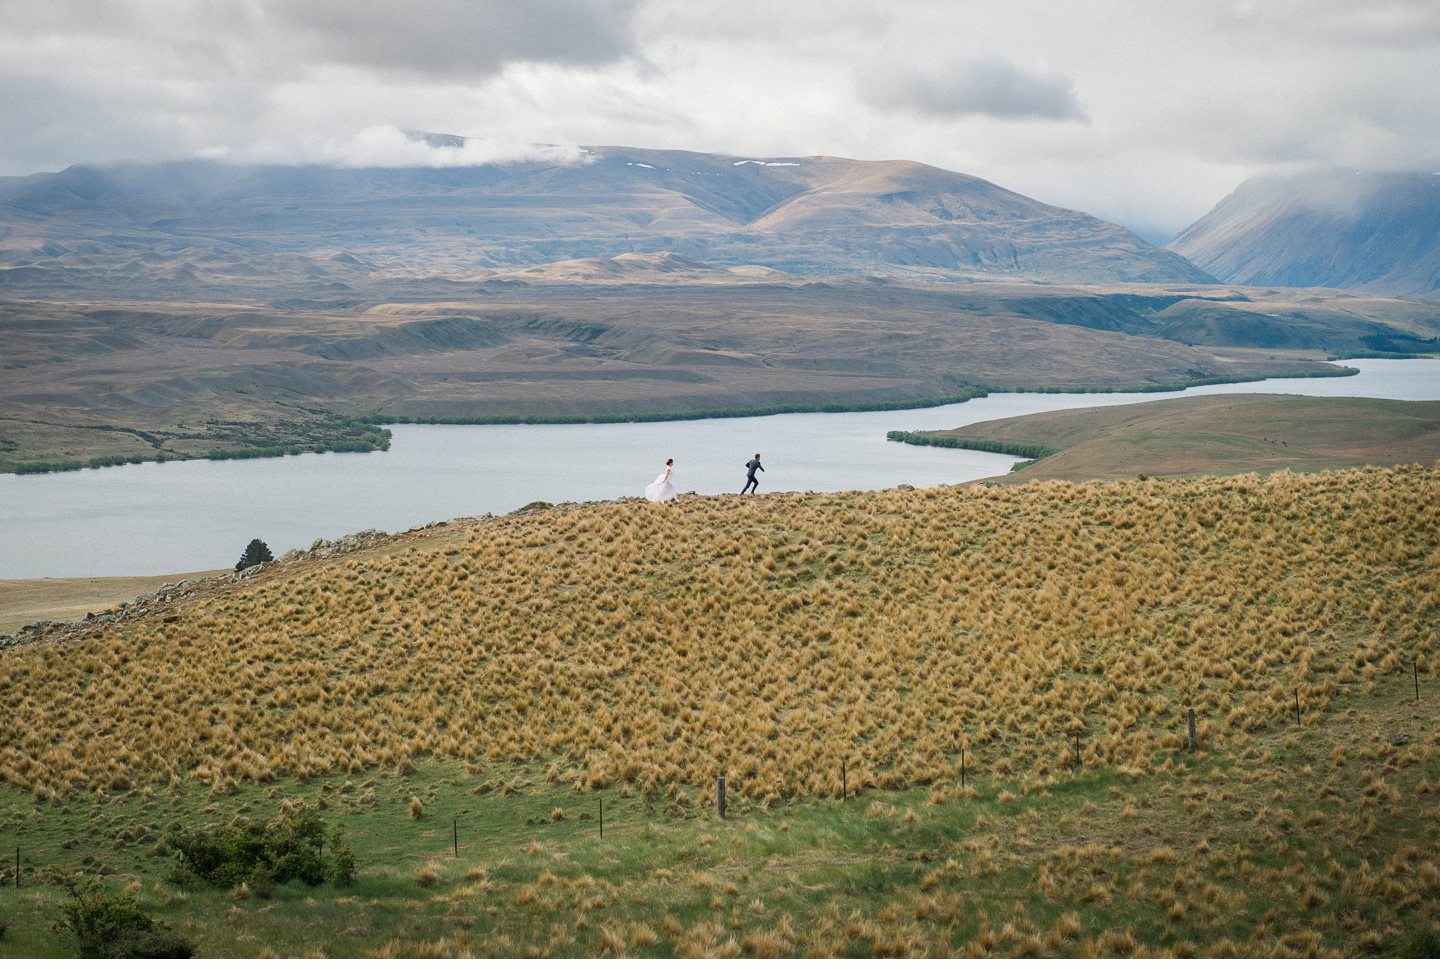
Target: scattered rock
324 548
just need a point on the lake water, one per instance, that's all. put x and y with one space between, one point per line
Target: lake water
180 516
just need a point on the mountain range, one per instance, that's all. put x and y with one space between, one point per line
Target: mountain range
154 230
812 216
1376 232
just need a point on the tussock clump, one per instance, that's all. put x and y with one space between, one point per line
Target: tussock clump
642 936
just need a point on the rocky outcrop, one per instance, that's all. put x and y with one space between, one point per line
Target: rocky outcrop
141 606
325 548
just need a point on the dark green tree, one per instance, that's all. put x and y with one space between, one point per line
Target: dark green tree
255 553
261 854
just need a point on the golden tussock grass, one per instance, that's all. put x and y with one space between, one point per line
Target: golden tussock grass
887 631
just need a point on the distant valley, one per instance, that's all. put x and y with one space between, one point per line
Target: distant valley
194 308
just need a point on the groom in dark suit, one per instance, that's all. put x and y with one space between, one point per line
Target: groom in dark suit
751 467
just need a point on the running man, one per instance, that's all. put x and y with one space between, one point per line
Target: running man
751 467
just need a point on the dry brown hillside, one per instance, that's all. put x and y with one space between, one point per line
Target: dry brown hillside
652 646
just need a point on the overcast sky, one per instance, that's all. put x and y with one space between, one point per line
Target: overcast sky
1146 113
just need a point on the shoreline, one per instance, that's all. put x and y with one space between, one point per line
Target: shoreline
380 421
67 604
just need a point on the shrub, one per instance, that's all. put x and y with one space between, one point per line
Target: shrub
944 440
340 864
291 847
255 553
110 926
262 881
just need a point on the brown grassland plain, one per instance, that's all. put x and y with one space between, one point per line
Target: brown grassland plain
170 380
636 652
24 601
1223 435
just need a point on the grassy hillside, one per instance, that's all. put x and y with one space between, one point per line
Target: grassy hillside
1226 434
491 681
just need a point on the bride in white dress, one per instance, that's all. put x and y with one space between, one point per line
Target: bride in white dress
662 489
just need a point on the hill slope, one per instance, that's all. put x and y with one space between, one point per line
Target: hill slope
657 614
1221 435
1000 677
1372 231
802 215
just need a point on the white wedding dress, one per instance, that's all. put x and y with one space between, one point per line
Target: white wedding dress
662 489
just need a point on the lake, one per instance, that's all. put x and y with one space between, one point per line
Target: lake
180 516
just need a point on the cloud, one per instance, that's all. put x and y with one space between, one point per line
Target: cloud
989 86
282 39
795 23
458 38
386 146
1402 23
1179 102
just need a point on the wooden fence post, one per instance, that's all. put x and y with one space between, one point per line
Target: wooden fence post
1190 720
720 794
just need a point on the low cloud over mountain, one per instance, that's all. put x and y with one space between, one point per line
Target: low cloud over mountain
807 215
1372 231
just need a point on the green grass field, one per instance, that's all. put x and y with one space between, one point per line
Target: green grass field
1313 841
